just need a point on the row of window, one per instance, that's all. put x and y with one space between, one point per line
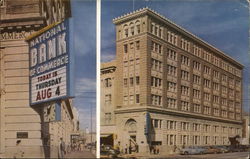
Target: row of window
131 99
130 46
188 126
156 82
185 44
156 65
132 80
131 29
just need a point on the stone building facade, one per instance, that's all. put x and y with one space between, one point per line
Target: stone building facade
20 121
108 129
191 90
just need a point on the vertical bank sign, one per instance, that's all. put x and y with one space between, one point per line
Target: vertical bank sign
51 63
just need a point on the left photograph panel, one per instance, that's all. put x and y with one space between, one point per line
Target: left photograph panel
47 79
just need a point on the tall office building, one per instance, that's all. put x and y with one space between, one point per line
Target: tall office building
38 128
190 91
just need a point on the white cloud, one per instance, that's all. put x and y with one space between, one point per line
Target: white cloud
85 85
107 57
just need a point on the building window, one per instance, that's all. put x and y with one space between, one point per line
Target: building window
156 65
131 99
197 51
172 38
216 74
185 90
2 3
156 100
137 45
185 45
224 101
196 94
171 139
224 89
125 100
184 126
196 79
107 118
216 99
125 82
126 32
108 82
171 103
131 46
107 99
132 29
197 108
156 82
224 78
216 112
207 70
184 60
207 83
171 86
196 65
137 80
125 48
207 96
171 54
184 75
216 86
185 106
207 110
137 98
172 125
138 28
131 81
156 123
156 47
172 70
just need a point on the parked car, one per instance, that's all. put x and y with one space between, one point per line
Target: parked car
240 148
109 152
192 150
222 148
211 149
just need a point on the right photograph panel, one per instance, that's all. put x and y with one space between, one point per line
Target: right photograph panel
174 78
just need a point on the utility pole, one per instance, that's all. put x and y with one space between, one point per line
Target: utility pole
91 128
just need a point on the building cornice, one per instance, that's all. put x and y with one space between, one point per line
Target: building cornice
147 11
161 110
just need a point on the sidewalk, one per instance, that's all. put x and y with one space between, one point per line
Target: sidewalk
147 156
80 154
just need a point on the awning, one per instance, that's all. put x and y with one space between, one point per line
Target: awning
105 135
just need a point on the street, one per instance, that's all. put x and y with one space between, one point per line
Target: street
235 155
80 154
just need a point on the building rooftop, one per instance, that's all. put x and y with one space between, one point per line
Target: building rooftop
148 11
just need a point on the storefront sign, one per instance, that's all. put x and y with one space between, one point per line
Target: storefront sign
51 59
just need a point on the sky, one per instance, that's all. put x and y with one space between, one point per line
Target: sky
84 28
223 24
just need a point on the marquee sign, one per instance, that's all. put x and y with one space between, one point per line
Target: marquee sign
51 63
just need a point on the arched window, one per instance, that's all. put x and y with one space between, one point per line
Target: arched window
125 29
132 29
138 27
130 125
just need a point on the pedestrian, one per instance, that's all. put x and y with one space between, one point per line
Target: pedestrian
130 149
126 149
61 148
19 153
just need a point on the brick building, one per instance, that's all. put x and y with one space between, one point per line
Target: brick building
191 90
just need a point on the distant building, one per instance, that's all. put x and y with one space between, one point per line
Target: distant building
167 87
108 127
40 127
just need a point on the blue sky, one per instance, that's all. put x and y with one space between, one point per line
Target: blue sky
223 24
84 19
